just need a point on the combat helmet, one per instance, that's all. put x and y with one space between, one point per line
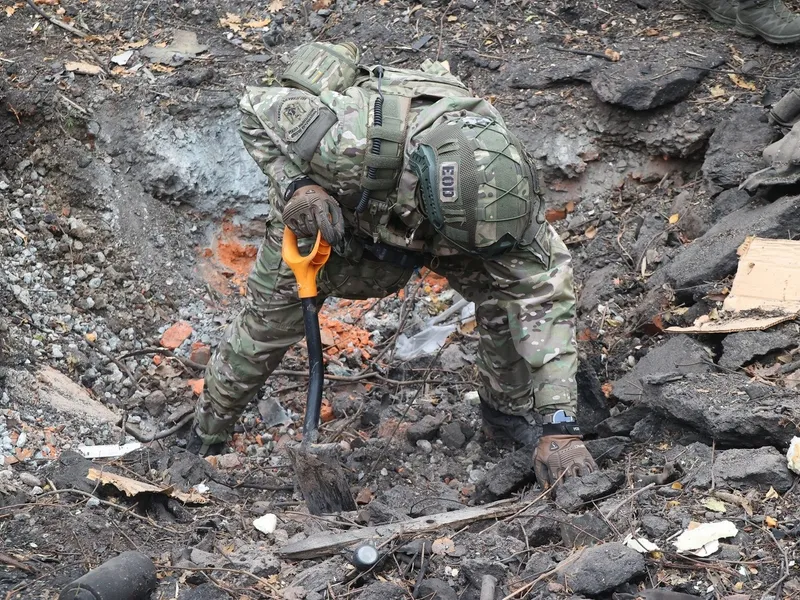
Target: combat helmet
477 186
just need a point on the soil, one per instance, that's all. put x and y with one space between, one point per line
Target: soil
129 205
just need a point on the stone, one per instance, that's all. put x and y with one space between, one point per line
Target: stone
599 286
207 559
743 347
475 568
592 406
317 577
382 591
622 424
731 156
436 589
729 201
538 530
745 468
418 501
600 569
641 85
607 448
577 491
30 479
255 558
714 406
523 77
712 256
655 526
155 402
538 563
452 436
424 429
508 475
587 529
680 354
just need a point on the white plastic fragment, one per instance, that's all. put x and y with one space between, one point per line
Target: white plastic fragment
201 488
266 524
793 455
108 450
703 540
122 59
640 544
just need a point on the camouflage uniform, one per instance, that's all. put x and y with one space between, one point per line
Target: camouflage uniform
524 298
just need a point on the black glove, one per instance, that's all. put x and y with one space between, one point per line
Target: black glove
311 209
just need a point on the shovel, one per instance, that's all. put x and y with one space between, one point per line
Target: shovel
317 471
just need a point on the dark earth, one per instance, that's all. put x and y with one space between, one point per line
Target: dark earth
129 205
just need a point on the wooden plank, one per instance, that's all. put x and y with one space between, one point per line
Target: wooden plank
324 544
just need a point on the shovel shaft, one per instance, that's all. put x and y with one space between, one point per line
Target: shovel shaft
315 371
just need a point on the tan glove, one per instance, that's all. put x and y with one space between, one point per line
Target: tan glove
312 209
561 454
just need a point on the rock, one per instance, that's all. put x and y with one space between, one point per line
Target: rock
207 559
712 256
608 448
155 402
424 429
592 406
577 491
587 529
475 568
729 201
538 563
731 156
598 286
523 77
510 474
382 591
436 589
655 526
695 460
452 436
30 479
745 469
317 577
713 406
681 354
743 347
419 501
538 530
205 591
623 423
255 558
602 568
640 85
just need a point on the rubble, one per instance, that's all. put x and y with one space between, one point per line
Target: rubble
602 568
743 347
640 85
759 468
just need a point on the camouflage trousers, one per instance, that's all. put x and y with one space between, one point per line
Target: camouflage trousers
525 312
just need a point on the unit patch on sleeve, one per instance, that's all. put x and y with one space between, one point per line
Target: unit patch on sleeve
295 114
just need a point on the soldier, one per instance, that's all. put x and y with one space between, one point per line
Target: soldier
398 169
769 19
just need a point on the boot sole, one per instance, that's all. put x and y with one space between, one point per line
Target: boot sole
719 18
752 32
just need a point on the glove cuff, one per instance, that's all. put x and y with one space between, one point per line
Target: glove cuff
296 185
561 429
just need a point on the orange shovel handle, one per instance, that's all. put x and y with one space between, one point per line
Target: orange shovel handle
305 268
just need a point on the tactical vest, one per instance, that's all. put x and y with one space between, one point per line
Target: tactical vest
321 67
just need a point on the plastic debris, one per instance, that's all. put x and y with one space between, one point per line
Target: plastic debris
122 59
108 450
266 524
433 336
640 544
703 539
793 455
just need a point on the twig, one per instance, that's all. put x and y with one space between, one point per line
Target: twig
159 435
541 577
109 504
74 104
56 22
614 510
730 72
582 52
261 580
784 566
13 562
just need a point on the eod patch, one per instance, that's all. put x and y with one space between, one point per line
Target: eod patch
448 182
295 114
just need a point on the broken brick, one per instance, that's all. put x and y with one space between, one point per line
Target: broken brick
176 335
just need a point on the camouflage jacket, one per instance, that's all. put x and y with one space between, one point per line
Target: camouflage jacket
279 122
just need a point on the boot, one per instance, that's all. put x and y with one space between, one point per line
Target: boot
723 11
769 19
511 428
197 445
